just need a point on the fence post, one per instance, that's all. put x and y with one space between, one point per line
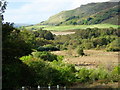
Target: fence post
23 88
57 87
48 87
38 87
64 87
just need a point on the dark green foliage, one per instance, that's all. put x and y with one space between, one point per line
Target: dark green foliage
15 44
3 5
15 73
66 72
83 75
80 51
44 74
115 75
45 56
44 34
50 73
114 46
48 47
41 42
90 38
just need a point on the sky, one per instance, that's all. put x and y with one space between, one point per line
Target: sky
35 11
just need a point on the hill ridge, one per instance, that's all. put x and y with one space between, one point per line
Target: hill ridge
78 15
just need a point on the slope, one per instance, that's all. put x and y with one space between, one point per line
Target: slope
81 13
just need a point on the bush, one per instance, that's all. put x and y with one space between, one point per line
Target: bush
80 52
114 46
52 73
87 75
44 55
48 47
66 72
44 74
115 74
83 75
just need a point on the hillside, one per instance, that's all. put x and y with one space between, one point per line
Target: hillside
91 13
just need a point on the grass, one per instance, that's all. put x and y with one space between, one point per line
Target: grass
35 27
93 59
71 27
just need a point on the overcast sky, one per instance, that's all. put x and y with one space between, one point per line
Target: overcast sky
35 11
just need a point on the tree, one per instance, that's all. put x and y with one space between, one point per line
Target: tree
3 5
15 73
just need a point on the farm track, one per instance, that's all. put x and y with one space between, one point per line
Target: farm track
62 33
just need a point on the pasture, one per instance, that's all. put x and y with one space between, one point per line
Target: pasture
69 27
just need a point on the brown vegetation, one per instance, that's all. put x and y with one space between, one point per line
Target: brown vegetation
93 58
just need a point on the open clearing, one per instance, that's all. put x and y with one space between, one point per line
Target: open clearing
69 27
93 58
62 33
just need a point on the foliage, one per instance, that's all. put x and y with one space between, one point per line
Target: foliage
54 73
80 51
83 75
67 75
44 34
45 55
92 75
41 42
14 45
15 73
44 74
115 74
114 46
48 47
90 38
3 5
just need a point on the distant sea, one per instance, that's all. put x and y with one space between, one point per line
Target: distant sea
17 25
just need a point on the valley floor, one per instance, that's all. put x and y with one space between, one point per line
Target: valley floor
93 58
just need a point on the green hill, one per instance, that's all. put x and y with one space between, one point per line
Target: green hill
92 13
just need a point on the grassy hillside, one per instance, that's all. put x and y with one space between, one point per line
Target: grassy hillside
70 27
83 14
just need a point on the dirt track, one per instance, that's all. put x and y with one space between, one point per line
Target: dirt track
62 33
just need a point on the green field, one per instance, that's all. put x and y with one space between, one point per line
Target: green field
35 27
71 27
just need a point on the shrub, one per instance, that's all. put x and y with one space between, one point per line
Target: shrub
48 47
80 52
86 75
26 58
115 74
44 74
45 55
83 75
66 72
114 46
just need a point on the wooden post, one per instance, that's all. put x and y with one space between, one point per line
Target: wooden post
38 87
48 87
57 87
64 87
23 88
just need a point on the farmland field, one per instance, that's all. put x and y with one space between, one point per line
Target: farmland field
70 27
